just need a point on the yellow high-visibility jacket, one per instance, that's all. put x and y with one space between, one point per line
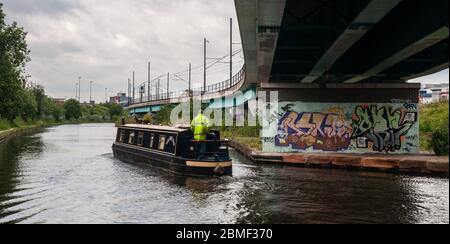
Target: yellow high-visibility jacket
200 126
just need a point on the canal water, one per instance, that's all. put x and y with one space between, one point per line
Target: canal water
67 174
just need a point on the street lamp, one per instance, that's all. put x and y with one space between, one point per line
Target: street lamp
79 89
204 64
90 92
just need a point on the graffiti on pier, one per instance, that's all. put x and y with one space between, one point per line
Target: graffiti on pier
325 130
343 127
383 126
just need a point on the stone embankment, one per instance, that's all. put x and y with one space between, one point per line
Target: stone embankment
413 164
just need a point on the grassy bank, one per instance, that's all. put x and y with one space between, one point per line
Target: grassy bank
10 127
248 135
19 124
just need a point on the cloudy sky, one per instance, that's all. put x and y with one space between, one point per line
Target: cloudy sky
105 40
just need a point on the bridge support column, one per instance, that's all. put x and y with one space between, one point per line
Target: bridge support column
344 118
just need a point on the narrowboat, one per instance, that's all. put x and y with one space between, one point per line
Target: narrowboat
173 149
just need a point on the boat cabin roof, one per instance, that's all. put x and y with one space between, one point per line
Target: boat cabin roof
156 128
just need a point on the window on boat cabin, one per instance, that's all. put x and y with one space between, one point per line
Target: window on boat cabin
171 143
162 142
152 139
140 140
122 136
132 137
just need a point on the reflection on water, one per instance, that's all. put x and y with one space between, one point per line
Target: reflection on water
67 174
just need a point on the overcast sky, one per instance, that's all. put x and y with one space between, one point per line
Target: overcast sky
105 40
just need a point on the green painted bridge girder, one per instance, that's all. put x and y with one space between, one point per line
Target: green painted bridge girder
223 102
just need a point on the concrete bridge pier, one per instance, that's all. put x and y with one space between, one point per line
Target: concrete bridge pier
344 118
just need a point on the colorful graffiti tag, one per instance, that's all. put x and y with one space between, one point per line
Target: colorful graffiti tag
325 130
385 127
344 127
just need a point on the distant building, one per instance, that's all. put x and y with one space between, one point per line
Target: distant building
120 99
86 104
59 101
434 93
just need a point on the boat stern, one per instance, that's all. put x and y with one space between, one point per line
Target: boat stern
210 168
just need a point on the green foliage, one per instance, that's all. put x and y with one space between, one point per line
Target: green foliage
28 105
95 111
39 96
18 122
72 109
434 115
14 54
440 141
148 118
248 135
114 110
2 16
5 124
434 122
244 131
125 116
163 116
56 111
51 109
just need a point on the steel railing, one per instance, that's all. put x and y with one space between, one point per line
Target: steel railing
217 87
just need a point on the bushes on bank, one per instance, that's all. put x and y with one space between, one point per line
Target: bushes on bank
72 109
5 124
114 110
124 118
440 142
163 116
18 122
148 118
434 123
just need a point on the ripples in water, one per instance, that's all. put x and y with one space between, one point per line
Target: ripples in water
67 174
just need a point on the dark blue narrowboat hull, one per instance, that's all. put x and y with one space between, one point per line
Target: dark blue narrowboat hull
169 162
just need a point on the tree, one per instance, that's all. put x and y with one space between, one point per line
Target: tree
51 108
27 105
14 55
39 94
72 109
115 110
57 111
2 16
